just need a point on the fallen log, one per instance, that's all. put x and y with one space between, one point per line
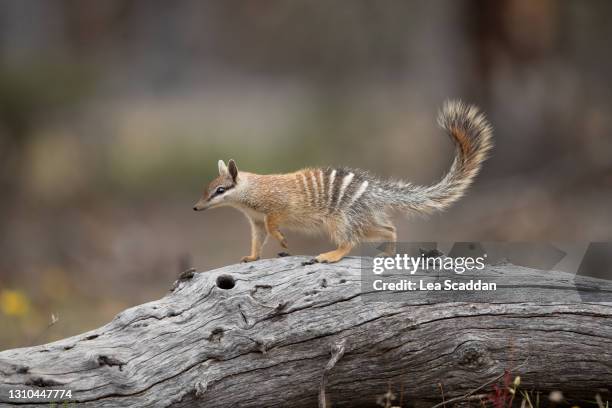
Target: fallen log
260 335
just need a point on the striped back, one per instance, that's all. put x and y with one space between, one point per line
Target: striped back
333 189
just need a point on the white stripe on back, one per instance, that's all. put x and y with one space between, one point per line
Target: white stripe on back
362 188
330 190
345 182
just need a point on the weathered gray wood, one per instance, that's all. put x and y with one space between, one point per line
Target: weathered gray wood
266 342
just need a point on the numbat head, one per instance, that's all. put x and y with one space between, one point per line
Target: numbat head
349 205
221 190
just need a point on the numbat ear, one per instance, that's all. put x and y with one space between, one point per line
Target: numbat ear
233 169
222 168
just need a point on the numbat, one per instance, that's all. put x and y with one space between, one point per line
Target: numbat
349 204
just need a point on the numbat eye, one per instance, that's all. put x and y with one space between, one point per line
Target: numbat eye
220 190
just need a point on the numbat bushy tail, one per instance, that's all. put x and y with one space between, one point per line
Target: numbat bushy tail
350 205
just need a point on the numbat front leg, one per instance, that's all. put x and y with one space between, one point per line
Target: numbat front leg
258 237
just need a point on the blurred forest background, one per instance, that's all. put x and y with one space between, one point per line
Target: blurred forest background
114 113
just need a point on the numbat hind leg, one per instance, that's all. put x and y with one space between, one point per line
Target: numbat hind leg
272 228
335 255
385 234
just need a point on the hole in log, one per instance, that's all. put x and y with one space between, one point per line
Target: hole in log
225 282
216 335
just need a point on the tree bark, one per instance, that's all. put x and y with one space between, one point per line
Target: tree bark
263 334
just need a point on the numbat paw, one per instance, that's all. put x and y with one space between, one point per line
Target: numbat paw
310 262
328 258
283 254
249 258
335 255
